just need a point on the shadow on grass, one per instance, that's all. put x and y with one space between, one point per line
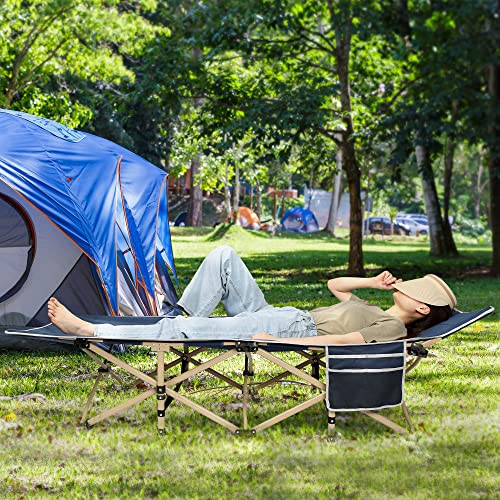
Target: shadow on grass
331 262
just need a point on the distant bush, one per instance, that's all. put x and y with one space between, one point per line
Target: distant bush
473 228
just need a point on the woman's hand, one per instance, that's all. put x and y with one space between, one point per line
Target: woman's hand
384 281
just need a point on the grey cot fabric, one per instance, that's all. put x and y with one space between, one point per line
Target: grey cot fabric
222 277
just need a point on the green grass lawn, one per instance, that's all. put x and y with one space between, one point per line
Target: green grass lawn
453 399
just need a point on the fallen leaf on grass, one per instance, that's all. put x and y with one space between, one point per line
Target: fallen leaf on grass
232 406
4 425
293 395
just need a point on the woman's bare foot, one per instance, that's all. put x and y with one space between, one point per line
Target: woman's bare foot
66 321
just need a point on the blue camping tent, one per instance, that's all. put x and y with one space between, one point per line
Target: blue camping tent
80 218
300 220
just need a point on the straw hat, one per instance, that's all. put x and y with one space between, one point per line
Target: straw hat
430 290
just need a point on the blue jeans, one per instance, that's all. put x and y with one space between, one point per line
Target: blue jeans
222 277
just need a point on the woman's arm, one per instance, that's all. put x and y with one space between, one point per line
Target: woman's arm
348 338
341 287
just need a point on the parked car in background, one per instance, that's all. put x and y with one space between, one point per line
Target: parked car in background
416 226
420 217
382 225
420 220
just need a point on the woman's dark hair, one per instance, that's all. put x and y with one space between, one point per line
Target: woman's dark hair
435 316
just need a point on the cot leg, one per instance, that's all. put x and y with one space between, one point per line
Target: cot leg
385 421
311 359
247 376
184 368
412 364
98 379
160 391
407 416
188 357
315 366
331 422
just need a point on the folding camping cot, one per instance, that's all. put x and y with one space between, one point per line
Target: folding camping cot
364 377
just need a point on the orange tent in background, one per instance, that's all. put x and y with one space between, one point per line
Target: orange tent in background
247 218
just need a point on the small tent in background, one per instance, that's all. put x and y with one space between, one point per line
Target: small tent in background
82 219
181 219
300 220
248 219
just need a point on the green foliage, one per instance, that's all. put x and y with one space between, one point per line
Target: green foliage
442 65
473 228
49 45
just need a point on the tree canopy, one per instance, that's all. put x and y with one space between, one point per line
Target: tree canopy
403 89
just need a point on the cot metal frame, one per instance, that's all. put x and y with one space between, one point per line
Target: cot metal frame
167 389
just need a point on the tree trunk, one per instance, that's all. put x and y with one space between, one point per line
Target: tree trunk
334 205
195 211
494 163
282 203
275 203
236 191
478 189
448 170
258 199
356 210
449 155
441 240
353 174
227 197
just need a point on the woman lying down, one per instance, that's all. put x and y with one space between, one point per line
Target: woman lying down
222 276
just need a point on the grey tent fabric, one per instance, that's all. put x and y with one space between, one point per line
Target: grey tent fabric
14 229
15 262
16 247
79 291
54 257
